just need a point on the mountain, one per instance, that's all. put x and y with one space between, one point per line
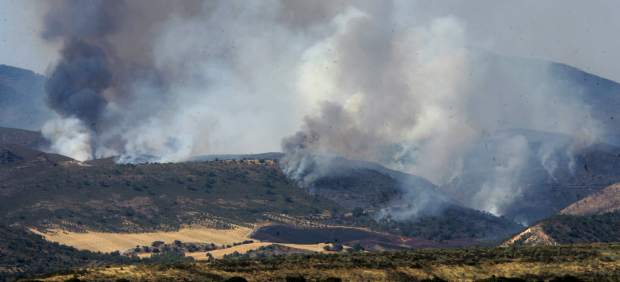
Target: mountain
11 155
595 218
22 98
518 168
528 175
601 94
401 203
26 138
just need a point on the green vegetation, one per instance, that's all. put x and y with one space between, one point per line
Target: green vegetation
129 198
584 229
24 253
599 262
454 223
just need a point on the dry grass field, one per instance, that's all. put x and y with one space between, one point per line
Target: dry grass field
242 249
109 242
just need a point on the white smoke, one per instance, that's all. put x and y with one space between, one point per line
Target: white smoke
415 96
69 137
504 186
363 80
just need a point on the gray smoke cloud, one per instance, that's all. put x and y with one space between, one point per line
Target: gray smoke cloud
415 96
106 56
168 80
367 80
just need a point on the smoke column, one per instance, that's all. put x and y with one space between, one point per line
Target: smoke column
169 80
106 55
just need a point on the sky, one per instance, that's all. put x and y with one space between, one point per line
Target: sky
20 43
578 33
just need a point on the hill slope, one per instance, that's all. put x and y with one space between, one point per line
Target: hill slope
595 218
22 98
397 202
26 138
604 201
149 197
47 191
549 175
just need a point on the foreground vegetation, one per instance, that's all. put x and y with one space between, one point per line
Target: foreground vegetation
23 253
600 262
579 229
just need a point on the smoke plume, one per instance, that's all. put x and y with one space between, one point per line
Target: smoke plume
106 58
375 81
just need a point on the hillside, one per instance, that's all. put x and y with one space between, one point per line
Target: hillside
599 93
11 154
552 174
595 218
26 138
399 203
132 198
550 170
50 192
22 98
604 201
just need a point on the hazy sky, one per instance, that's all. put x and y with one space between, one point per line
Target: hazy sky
20 44
579 33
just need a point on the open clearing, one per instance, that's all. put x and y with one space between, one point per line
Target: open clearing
109 242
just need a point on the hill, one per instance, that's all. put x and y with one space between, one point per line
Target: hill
26 138
550 174
149 197
601 94
52 192
595 218
12 154
518 170
396 202
604 201
22 98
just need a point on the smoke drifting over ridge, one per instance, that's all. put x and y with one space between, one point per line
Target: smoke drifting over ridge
167 80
